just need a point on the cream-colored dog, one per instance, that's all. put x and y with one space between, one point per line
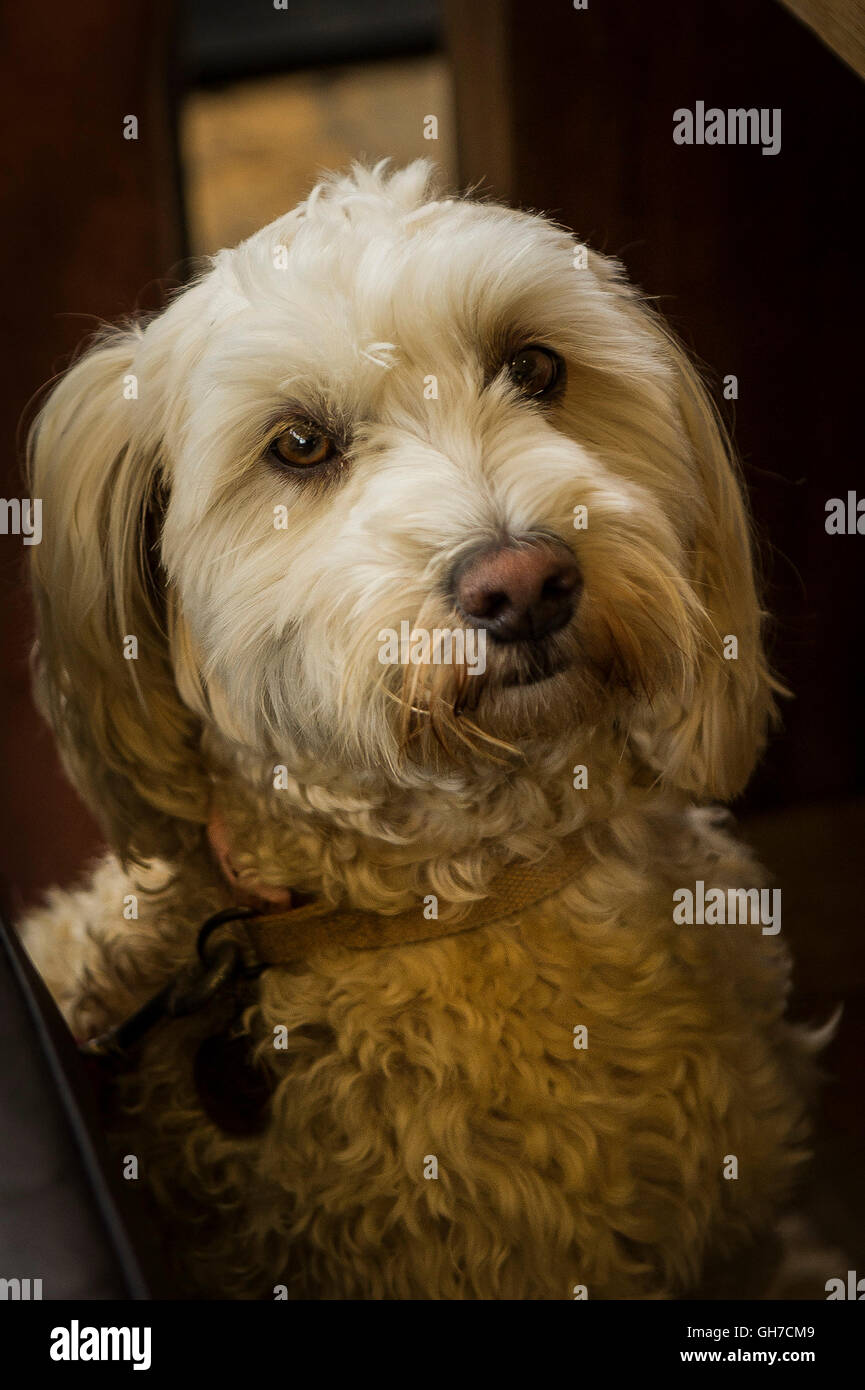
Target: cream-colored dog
387 414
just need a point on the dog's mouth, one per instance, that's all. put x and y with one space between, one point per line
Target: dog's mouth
536 664
502 690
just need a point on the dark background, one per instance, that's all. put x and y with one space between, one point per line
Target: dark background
756 260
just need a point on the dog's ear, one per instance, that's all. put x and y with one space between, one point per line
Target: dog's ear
711 742
103 672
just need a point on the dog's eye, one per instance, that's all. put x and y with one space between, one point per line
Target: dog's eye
302 445
534 370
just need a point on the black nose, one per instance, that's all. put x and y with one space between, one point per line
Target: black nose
520 591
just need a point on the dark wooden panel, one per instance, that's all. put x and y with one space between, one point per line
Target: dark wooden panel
90 220
755 259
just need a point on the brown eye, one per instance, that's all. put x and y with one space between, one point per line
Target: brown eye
534 370
302 445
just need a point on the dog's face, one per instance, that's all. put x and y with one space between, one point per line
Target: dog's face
386 414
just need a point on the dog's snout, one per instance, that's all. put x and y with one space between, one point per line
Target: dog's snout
519 591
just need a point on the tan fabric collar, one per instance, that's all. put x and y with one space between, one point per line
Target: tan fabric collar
291 933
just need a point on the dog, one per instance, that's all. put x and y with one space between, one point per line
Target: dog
486 1061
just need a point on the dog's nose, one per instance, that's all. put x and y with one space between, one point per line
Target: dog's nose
518 591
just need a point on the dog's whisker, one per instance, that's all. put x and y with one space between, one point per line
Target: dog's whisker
234 550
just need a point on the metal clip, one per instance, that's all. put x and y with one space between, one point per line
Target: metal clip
219 964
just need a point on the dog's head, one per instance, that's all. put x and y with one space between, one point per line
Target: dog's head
381 433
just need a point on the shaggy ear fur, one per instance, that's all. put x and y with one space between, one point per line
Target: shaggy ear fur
709 749
128 743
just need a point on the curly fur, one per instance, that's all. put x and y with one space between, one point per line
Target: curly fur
257 647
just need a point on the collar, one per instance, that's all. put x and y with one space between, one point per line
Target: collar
286 934
280 933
